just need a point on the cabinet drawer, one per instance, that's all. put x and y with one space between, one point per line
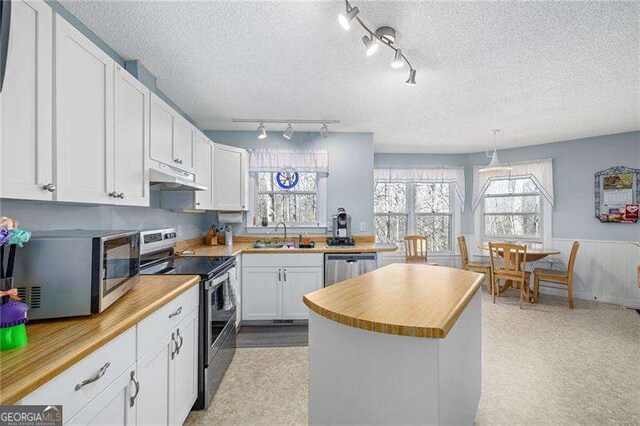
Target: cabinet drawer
120 353
151 329
281 259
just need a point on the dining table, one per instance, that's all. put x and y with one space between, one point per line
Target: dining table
533 255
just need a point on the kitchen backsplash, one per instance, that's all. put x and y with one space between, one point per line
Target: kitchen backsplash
40 216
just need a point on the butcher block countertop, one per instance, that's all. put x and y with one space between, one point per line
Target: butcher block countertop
55 345
402 299
321 247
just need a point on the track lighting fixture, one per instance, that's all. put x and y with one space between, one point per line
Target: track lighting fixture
262 132
346 18
371 43
398 62
324 131
412 77
382 36
288 132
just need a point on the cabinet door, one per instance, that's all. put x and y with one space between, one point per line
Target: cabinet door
25 104
297 282
83 141
161 131
261 293
229 178
112 406
155 369
131 139
185 370
182 142
204 172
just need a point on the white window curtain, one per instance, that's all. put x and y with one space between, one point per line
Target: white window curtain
454 175
539 171
272 160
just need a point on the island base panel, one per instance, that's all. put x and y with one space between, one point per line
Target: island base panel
360 376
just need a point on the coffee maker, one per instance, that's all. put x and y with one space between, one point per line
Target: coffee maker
341 229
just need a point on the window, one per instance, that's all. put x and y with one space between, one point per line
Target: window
424 208
298 206
512 209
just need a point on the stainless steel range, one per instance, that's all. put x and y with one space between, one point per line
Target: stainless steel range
217 329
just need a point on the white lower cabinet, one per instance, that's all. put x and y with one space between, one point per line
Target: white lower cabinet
154 371
261 293
115 386
273 285
116 405
168 375
298 281
184 389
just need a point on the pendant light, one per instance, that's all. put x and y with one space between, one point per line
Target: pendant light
494 165
398 60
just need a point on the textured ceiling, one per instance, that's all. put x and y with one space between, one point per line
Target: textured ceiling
542 72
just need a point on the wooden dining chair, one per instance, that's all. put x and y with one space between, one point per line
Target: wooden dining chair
415 249
556 276
508 263
481 267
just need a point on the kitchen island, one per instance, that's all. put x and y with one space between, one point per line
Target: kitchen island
401 344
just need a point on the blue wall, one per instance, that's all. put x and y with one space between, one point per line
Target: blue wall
42 216
574 164
350 181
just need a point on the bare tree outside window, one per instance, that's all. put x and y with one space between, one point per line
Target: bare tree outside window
403 208
512 209
296 206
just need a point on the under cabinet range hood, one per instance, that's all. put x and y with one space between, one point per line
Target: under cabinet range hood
167 178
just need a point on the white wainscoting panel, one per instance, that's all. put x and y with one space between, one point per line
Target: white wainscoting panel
604 271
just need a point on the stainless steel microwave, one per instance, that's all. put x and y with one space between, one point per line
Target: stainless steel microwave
76 272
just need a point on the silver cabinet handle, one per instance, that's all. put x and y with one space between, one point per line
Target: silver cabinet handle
285 275
179 161
175 160
181 342
121 195
175 346
132 400
197 203
49 187
279 274
93 378
113 194
176 312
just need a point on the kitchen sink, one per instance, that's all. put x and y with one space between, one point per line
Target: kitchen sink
273 246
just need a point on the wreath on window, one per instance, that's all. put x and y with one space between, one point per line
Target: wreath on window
287 178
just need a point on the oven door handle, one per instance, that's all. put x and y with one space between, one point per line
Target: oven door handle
214 282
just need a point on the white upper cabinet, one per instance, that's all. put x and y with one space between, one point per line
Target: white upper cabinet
183 133
230 177
204 171
25 105
172 137
161 131
131 140
83 142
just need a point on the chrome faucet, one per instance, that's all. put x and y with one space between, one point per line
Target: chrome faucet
285 230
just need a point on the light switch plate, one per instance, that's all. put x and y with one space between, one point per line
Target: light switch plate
363 226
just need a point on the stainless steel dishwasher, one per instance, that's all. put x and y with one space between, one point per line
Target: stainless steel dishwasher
339 267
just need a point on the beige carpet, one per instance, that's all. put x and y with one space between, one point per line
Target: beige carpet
545 365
